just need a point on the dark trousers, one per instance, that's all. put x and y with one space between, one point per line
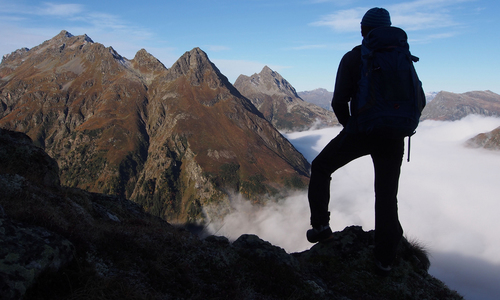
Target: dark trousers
387 155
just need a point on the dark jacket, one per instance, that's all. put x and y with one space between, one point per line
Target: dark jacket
346 84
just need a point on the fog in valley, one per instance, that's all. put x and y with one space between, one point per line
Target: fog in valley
448 202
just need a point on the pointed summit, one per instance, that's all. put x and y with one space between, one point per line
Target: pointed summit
272 83
64 36
147 63
196 65
279 102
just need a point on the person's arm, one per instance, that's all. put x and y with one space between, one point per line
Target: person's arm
345 85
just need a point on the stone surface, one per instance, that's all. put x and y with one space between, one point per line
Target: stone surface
25 253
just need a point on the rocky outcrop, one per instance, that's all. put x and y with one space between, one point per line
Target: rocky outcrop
66 243
18 155
173 140
448 106
280 104
488 140
26 252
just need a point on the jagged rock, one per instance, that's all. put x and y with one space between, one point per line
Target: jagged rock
25 253
252 246
355 246
280 104
348 268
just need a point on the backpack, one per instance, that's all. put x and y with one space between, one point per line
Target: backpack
390 97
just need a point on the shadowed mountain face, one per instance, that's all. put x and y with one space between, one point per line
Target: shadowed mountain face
280 104
174 140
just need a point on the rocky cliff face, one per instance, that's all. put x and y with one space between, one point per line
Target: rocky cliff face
448 106
280 104
173 140
58 242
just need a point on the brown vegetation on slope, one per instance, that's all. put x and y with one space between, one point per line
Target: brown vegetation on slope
173 140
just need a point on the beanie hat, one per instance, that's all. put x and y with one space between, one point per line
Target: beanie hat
376 17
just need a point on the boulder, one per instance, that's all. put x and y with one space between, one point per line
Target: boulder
25 253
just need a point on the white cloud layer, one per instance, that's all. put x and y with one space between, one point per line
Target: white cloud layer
448 201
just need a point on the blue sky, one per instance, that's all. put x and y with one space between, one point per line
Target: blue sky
303 40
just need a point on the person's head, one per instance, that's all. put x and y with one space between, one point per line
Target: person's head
373 18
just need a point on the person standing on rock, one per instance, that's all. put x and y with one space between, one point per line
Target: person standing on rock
352 143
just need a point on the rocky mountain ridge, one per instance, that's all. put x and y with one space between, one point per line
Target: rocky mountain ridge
58 242
176 141
320 97
280 104
448 106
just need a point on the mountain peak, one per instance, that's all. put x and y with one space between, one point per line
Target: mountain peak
266 69
196 65
146 62
194 60
64 33
268 82
65 36
279 102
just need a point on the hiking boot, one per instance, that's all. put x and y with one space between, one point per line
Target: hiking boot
319 234
382 269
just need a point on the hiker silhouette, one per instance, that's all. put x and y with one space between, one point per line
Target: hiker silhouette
386 149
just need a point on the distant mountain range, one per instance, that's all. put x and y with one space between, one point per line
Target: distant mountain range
319 97
443 106
448 106
173 140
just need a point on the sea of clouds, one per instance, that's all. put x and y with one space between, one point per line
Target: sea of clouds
449 201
